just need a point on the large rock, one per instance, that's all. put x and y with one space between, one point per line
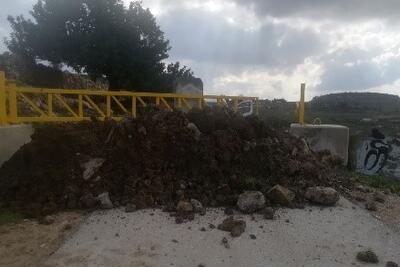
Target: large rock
235 227
105 201
281 195
91 167
322 195
251 201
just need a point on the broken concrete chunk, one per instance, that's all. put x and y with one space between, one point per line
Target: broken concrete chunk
322 195
268 213
91 167
195 130
251 201
105 201
281 195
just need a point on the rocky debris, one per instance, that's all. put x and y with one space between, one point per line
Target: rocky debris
130 208
235 227
268 213
228 211
379 197
184 207
367 256
105 201
371 205
326 196
225 242
88 201
195 130
281 195
91 167
391 264
197 206
251 201
363 188
47 220
253 237
155 160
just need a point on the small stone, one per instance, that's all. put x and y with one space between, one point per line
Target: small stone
391 264
184 207
175 241
203 229
251 201
228 211
225 242
212 226
130 208
105 201
281 195
197 206
201 265
367 256
67 227
326 196
235 227
142 130
47 220
379 197
268 213
370 205
253 237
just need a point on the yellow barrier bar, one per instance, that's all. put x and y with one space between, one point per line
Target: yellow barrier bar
80 106
60 98
302 105
12 98
50 105
3 100
108 108
134 109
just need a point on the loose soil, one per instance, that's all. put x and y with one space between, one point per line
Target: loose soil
157 160
29 243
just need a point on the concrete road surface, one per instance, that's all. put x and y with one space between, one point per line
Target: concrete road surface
309 237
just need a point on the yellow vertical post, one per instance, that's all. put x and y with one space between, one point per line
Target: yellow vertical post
3 100
108 108
12 98
179 102
50 104
157 101
134 111
302 105
80 106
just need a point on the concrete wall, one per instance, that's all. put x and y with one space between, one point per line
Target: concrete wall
12 138
376 155
334 138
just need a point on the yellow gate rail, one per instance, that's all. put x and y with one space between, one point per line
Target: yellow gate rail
27 104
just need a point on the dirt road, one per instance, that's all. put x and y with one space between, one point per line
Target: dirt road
309 237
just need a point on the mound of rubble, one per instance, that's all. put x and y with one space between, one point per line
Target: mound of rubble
162 159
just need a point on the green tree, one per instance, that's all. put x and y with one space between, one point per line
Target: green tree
102 38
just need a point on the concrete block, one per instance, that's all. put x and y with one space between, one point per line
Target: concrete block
334 138
12 138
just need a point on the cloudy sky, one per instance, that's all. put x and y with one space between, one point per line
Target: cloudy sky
267 48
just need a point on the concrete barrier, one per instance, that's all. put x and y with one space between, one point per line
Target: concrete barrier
334 138
12 138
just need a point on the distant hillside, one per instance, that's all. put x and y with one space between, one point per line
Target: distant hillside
373 102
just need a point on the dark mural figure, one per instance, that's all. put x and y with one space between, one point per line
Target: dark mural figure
378 152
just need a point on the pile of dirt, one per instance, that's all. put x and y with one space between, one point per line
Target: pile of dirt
211 155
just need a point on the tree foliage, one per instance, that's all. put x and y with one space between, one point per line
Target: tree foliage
102 38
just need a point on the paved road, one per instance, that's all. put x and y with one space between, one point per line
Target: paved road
309 237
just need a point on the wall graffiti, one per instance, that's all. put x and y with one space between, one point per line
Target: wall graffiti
379 154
